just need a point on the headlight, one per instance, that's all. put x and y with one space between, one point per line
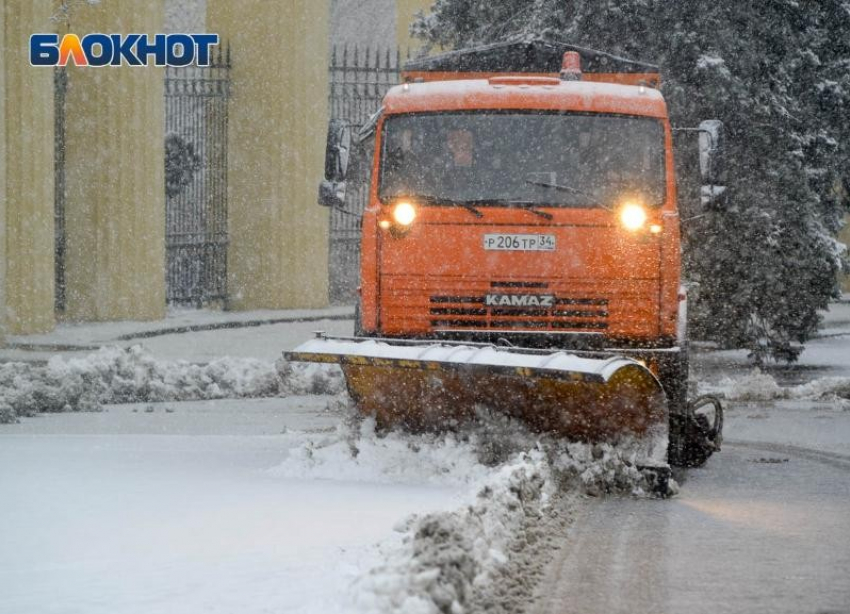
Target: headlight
632 216
404 214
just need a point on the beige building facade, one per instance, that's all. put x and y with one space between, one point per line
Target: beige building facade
375 23
27 170
113 132
278 117
114 177
406 12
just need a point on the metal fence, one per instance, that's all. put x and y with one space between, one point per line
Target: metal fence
196 230
60 85
359 79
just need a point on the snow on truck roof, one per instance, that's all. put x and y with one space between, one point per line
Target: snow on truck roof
530 56
530 93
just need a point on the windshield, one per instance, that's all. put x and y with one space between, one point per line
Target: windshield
546 159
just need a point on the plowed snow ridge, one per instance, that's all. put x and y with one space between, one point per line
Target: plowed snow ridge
760 386
454 561
117 375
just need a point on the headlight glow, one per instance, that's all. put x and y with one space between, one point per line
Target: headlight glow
632 216
404 214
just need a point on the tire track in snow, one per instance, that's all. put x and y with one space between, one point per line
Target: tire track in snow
705 551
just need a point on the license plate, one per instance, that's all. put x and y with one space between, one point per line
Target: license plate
519 243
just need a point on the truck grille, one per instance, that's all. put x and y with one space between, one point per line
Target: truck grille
473 312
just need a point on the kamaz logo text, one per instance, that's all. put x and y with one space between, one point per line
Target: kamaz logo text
122 50
520 300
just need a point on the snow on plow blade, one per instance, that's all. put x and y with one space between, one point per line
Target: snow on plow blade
426 386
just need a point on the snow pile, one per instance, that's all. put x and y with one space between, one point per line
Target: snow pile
450 561
592 469
603 468
117 375
755 386
760 386
825 388
7 414
356 452
458 561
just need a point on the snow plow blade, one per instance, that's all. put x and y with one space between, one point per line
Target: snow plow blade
434 385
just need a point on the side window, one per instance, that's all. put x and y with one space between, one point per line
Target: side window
363 152
365 157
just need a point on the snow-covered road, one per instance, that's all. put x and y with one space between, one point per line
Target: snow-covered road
258 506
102 513
763 528
288 504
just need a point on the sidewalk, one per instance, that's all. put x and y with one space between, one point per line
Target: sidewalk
192 335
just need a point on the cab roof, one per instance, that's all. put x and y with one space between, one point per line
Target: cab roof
525 56
525 93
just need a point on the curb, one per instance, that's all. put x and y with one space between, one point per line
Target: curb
175 330
197 328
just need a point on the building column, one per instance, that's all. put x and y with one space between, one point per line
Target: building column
406 11
278 119
114 173
26 149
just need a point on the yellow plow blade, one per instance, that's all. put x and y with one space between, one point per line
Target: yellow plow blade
436 385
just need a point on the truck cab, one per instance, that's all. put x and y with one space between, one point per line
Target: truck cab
538 208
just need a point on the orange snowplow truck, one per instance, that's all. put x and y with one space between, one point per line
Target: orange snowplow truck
522 203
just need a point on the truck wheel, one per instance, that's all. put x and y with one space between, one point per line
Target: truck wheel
686 431
673 373
687 438
692 438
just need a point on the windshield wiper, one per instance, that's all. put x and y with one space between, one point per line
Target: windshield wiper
472 205
469 207
533 208
440 200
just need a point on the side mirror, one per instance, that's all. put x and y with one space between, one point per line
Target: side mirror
337 151
711 162
337 155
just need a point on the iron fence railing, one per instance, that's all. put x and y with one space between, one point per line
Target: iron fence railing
60 85
196 235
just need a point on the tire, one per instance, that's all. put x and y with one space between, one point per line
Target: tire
673 373
692 439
